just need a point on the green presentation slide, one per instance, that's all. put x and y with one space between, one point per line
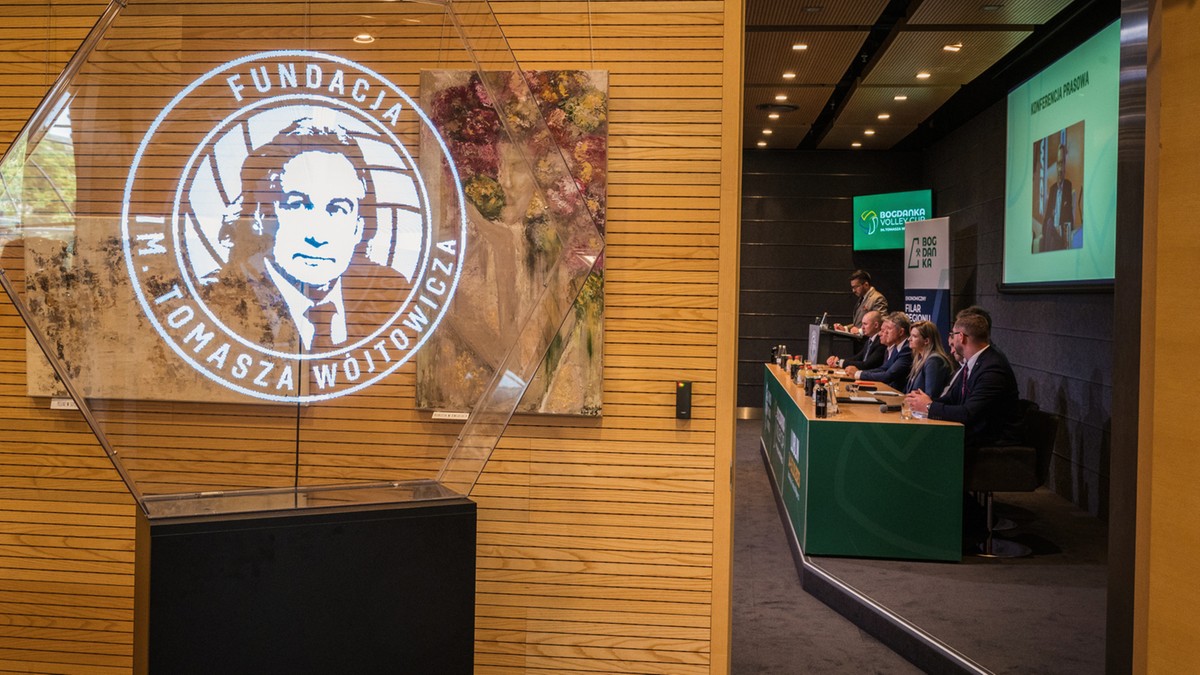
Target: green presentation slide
1060 211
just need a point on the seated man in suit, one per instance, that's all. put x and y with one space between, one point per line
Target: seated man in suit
898 361
872 352
983 396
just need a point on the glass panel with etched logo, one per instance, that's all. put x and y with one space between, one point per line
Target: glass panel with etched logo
229 246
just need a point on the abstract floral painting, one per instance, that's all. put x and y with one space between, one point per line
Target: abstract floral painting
514 223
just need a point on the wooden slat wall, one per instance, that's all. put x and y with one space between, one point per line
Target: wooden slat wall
604 545
1166 634
66 520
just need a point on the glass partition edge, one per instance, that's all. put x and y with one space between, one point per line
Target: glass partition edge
76 396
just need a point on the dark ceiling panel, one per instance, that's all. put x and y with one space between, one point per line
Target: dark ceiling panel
841 136
813 12
769 55
915 51
867 102
1017 12
785 137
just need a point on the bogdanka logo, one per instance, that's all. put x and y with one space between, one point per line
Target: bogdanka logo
888 221
868 221
291 250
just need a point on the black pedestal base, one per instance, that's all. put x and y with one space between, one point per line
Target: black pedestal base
361 589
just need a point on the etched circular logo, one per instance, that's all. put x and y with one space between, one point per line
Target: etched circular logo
292 251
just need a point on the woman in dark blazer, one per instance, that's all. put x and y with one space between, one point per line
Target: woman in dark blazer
932 367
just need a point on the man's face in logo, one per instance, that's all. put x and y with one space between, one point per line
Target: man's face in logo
317 210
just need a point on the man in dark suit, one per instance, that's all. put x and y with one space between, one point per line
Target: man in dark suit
873 351
983 397
1060 209
898 361
298 270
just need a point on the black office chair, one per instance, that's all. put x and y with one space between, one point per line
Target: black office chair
1020 467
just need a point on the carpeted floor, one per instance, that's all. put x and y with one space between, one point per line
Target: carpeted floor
1041 614
777 627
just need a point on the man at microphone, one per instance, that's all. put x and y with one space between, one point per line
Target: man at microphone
898 361
983 396
869 300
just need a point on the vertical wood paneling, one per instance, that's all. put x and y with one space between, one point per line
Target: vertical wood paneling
1166 633
603 543
66 520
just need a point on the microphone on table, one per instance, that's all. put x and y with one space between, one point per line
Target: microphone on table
888 407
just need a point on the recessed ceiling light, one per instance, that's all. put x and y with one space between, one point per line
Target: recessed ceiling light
884 116
899 97
773 116
991 8
789 75
813 9
922 75
799 47
780 97
952 48
364 38
762 144
767 132
856 144
869 132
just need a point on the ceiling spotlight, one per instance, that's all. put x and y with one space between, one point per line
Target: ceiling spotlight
799 47
884 116
364 38
767 132
856 144
952 48
923 75
762 144
899 97
773 116
789 75
869 132
780 97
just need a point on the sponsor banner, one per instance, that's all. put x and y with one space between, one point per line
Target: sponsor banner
927 272
879 220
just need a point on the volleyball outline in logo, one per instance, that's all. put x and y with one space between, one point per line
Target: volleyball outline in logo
209 196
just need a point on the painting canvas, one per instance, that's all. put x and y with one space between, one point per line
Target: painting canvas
513 222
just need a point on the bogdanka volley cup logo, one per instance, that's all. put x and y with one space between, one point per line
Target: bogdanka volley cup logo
290 251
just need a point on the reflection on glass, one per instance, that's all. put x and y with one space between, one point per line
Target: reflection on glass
228 251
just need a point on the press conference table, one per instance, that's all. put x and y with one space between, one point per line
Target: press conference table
864 483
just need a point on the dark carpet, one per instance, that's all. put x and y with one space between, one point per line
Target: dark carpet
777 627
1040 614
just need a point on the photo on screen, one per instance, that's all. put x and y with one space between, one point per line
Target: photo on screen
1058 180
1060 193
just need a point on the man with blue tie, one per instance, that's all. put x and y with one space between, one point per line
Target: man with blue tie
898 361
983 396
